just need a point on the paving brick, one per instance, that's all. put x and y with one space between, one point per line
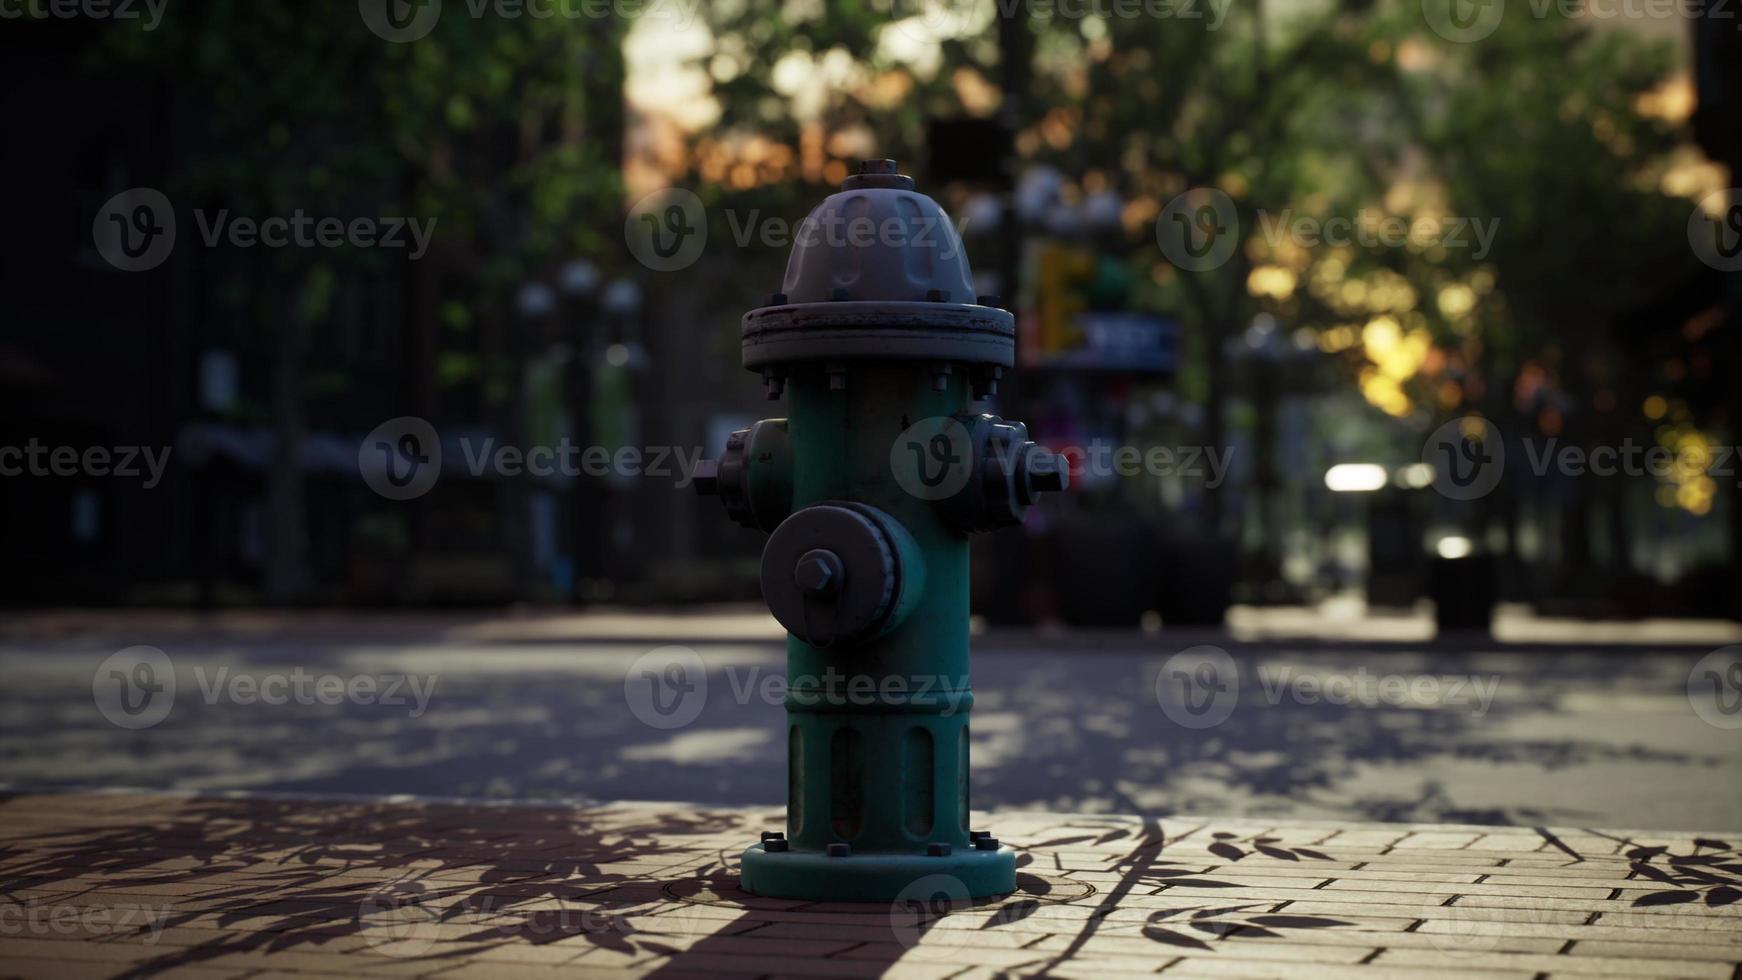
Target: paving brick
1441 888
1252 949
1267 969
269 887
1686 950
1558 965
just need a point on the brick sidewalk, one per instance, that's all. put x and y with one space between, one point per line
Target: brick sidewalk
134 884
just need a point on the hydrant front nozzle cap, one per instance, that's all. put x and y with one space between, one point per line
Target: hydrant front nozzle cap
819 572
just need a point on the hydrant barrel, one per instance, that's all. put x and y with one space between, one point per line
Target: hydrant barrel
869 489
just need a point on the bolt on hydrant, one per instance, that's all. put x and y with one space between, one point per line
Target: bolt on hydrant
870 488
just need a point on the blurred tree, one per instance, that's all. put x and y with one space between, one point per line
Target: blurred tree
504 133
1542 143
1524 167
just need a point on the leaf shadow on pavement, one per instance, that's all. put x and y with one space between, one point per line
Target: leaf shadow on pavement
426 882
1099 733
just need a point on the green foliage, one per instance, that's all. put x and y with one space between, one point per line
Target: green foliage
501 131
1320 109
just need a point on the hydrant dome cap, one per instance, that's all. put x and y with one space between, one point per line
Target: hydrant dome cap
877 271
878 244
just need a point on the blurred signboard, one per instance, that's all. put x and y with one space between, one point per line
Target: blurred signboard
1075 319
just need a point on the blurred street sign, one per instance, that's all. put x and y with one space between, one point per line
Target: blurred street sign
1140 343
1076 323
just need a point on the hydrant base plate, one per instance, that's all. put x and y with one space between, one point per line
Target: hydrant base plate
878 877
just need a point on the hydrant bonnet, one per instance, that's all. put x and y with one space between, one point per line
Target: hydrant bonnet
878 270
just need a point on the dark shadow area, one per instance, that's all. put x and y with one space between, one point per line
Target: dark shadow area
1537 739
494 874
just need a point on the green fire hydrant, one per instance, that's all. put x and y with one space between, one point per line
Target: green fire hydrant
870 488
